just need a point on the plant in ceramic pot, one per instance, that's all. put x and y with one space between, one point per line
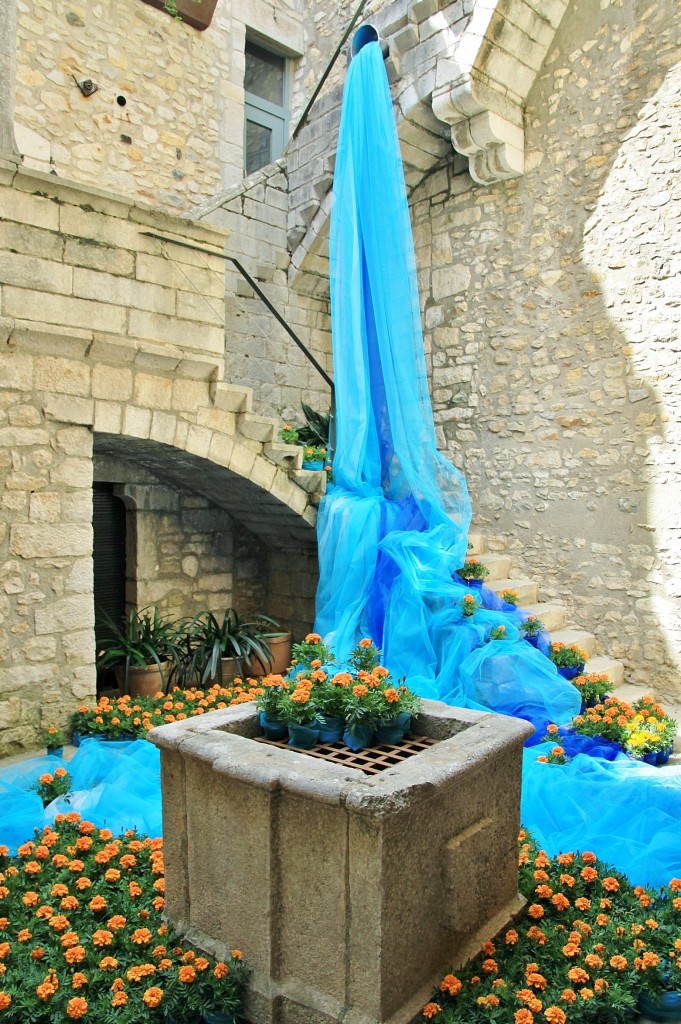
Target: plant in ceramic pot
298 710
146 649
51 785
569 659
401 704
509 596
593 687
330 703
314 457
279 642
473 572
225 647
197 990
469 603
531 629
53 739
269 704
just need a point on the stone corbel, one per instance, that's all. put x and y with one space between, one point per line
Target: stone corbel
486 127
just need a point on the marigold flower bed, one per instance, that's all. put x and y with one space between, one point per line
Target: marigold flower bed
585 946
82 936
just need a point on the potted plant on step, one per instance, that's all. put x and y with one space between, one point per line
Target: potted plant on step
144 650
531 629
53 739
568 659
279 660
473 572
593 688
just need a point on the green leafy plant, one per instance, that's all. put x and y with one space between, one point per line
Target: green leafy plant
593 687
313 433
312 649
212 639
567 656
509 596
469 603
532 626
144 638
51 737
472 569
51 785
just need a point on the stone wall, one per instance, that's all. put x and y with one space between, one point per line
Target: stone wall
179 136
551 306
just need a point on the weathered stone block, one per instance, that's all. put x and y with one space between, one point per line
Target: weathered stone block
42 540
111 382
65 615
348 916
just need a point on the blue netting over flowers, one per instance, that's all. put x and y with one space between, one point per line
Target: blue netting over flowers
393 528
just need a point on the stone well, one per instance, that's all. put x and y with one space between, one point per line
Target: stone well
350 894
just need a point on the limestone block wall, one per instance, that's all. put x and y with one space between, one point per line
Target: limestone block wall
551 307
46 599
258 351
179 136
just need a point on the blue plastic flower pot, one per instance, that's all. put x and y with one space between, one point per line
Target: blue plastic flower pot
570 673
534 640
359 737
666 1006
395 730
55 751
75 738
273 729
317 464
215 1017
302 736
475 584
330 728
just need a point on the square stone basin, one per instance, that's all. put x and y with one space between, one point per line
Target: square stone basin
350 894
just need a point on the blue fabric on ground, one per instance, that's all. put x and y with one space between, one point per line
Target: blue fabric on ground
393 529
116 785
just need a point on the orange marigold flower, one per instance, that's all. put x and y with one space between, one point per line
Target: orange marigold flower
97 903
119 999
554 1015
450 984
69 939
30 898
79 980
675 885
560 902
313 638
619 963
586 993
365 642
536 911
153 996
102 937
578 975
115 923
141 936
237 954
38 953
59 923
565 859
112 875
74 955
490 966
186 975
5 1000
588 857
511 937
600 985
611 884
221 970
431 1010
83 883
522 1017
361 691
568 996
589 874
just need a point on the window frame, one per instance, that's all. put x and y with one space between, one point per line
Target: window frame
263 112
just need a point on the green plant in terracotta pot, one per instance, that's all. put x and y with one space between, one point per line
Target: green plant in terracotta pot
145 649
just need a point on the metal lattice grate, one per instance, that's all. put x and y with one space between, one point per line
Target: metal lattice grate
372 760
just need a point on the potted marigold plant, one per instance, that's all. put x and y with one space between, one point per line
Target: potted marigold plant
51 785
509 597
53 739
468 604
401 705
299 712
269 704
330 703
568 659
311 653
531 629
473 572
593 688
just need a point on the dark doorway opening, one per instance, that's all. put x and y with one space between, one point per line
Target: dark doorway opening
108 521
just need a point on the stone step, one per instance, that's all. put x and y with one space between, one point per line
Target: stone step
552 615
630 693
569 636
231 397
288 456
613 669
525 589
257 428
498 566
476 543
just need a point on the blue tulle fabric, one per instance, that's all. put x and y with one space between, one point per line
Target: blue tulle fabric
392 530
115 785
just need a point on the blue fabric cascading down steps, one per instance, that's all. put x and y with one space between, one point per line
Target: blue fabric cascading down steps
393 527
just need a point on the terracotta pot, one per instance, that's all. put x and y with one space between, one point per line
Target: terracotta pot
143 682
198 15
281 656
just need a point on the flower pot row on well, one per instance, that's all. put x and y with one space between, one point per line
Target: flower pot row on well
326 729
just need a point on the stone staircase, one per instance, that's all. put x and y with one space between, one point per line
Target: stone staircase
554 616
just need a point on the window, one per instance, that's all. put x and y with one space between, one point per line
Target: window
266 107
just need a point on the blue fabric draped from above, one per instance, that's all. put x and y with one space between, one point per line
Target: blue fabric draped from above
393 528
